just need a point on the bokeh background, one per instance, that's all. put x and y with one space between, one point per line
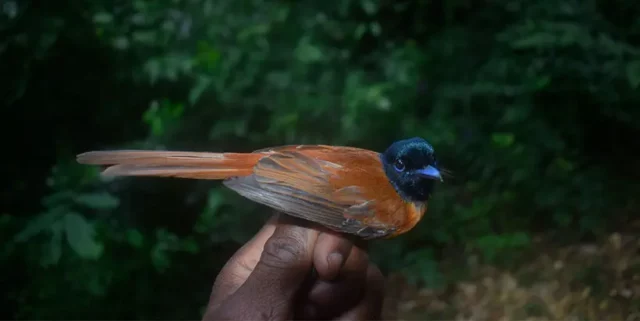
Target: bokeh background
533 105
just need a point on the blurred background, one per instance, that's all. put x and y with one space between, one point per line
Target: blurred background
533 105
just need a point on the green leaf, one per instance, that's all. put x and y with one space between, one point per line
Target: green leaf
502 139
201 86
207 56
100 201
153 69
80 236
563 218
369 6
144 37
307 52
375 28
190 246
57 198
519 239
564 164
160 258
542 82
633 74
360 30
157 127
121 43
257 30
135 238
102 18
37 225
54 248
153 119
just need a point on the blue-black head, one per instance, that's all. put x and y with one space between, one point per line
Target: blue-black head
412 168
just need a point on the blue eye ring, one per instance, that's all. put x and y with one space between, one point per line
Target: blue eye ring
399 165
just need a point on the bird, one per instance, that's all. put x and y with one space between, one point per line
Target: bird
350 190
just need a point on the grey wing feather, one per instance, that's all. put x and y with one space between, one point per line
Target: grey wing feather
281 200
307 207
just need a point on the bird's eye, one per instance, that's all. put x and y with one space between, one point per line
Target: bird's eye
399 165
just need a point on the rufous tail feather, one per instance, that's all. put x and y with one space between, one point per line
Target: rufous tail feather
196 165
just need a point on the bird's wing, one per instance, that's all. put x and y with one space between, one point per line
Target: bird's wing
322 185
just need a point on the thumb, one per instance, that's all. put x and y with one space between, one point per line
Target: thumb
284 266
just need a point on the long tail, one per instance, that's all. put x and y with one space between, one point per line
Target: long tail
196 165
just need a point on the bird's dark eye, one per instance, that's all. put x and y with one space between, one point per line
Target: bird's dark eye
399 165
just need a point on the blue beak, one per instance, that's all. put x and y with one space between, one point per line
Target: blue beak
430 172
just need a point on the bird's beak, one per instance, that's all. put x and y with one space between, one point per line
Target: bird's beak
430 172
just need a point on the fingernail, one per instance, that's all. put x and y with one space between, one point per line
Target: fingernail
335 261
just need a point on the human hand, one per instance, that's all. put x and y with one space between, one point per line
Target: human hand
270 277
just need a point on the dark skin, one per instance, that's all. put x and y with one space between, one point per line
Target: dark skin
272 277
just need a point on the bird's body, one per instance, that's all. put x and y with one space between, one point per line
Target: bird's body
347 189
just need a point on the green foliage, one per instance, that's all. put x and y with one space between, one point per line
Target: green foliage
80 235
532 106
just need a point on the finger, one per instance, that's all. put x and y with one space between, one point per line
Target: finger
270 290
349 282
330 253
370 307
239 267
328 299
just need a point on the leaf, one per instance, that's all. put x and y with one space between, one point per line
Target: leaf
100 201
542 82
502 139
209 220
519 239
144 37
80 236
633 74
57 198
369 6
207 56
102 18
121 43
41 223
257 30
564 164
201 86
190 246
562 218
159 258
135 238
153 119
10 9
360 30
54 248
153 69
375 28
151 113
307 52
